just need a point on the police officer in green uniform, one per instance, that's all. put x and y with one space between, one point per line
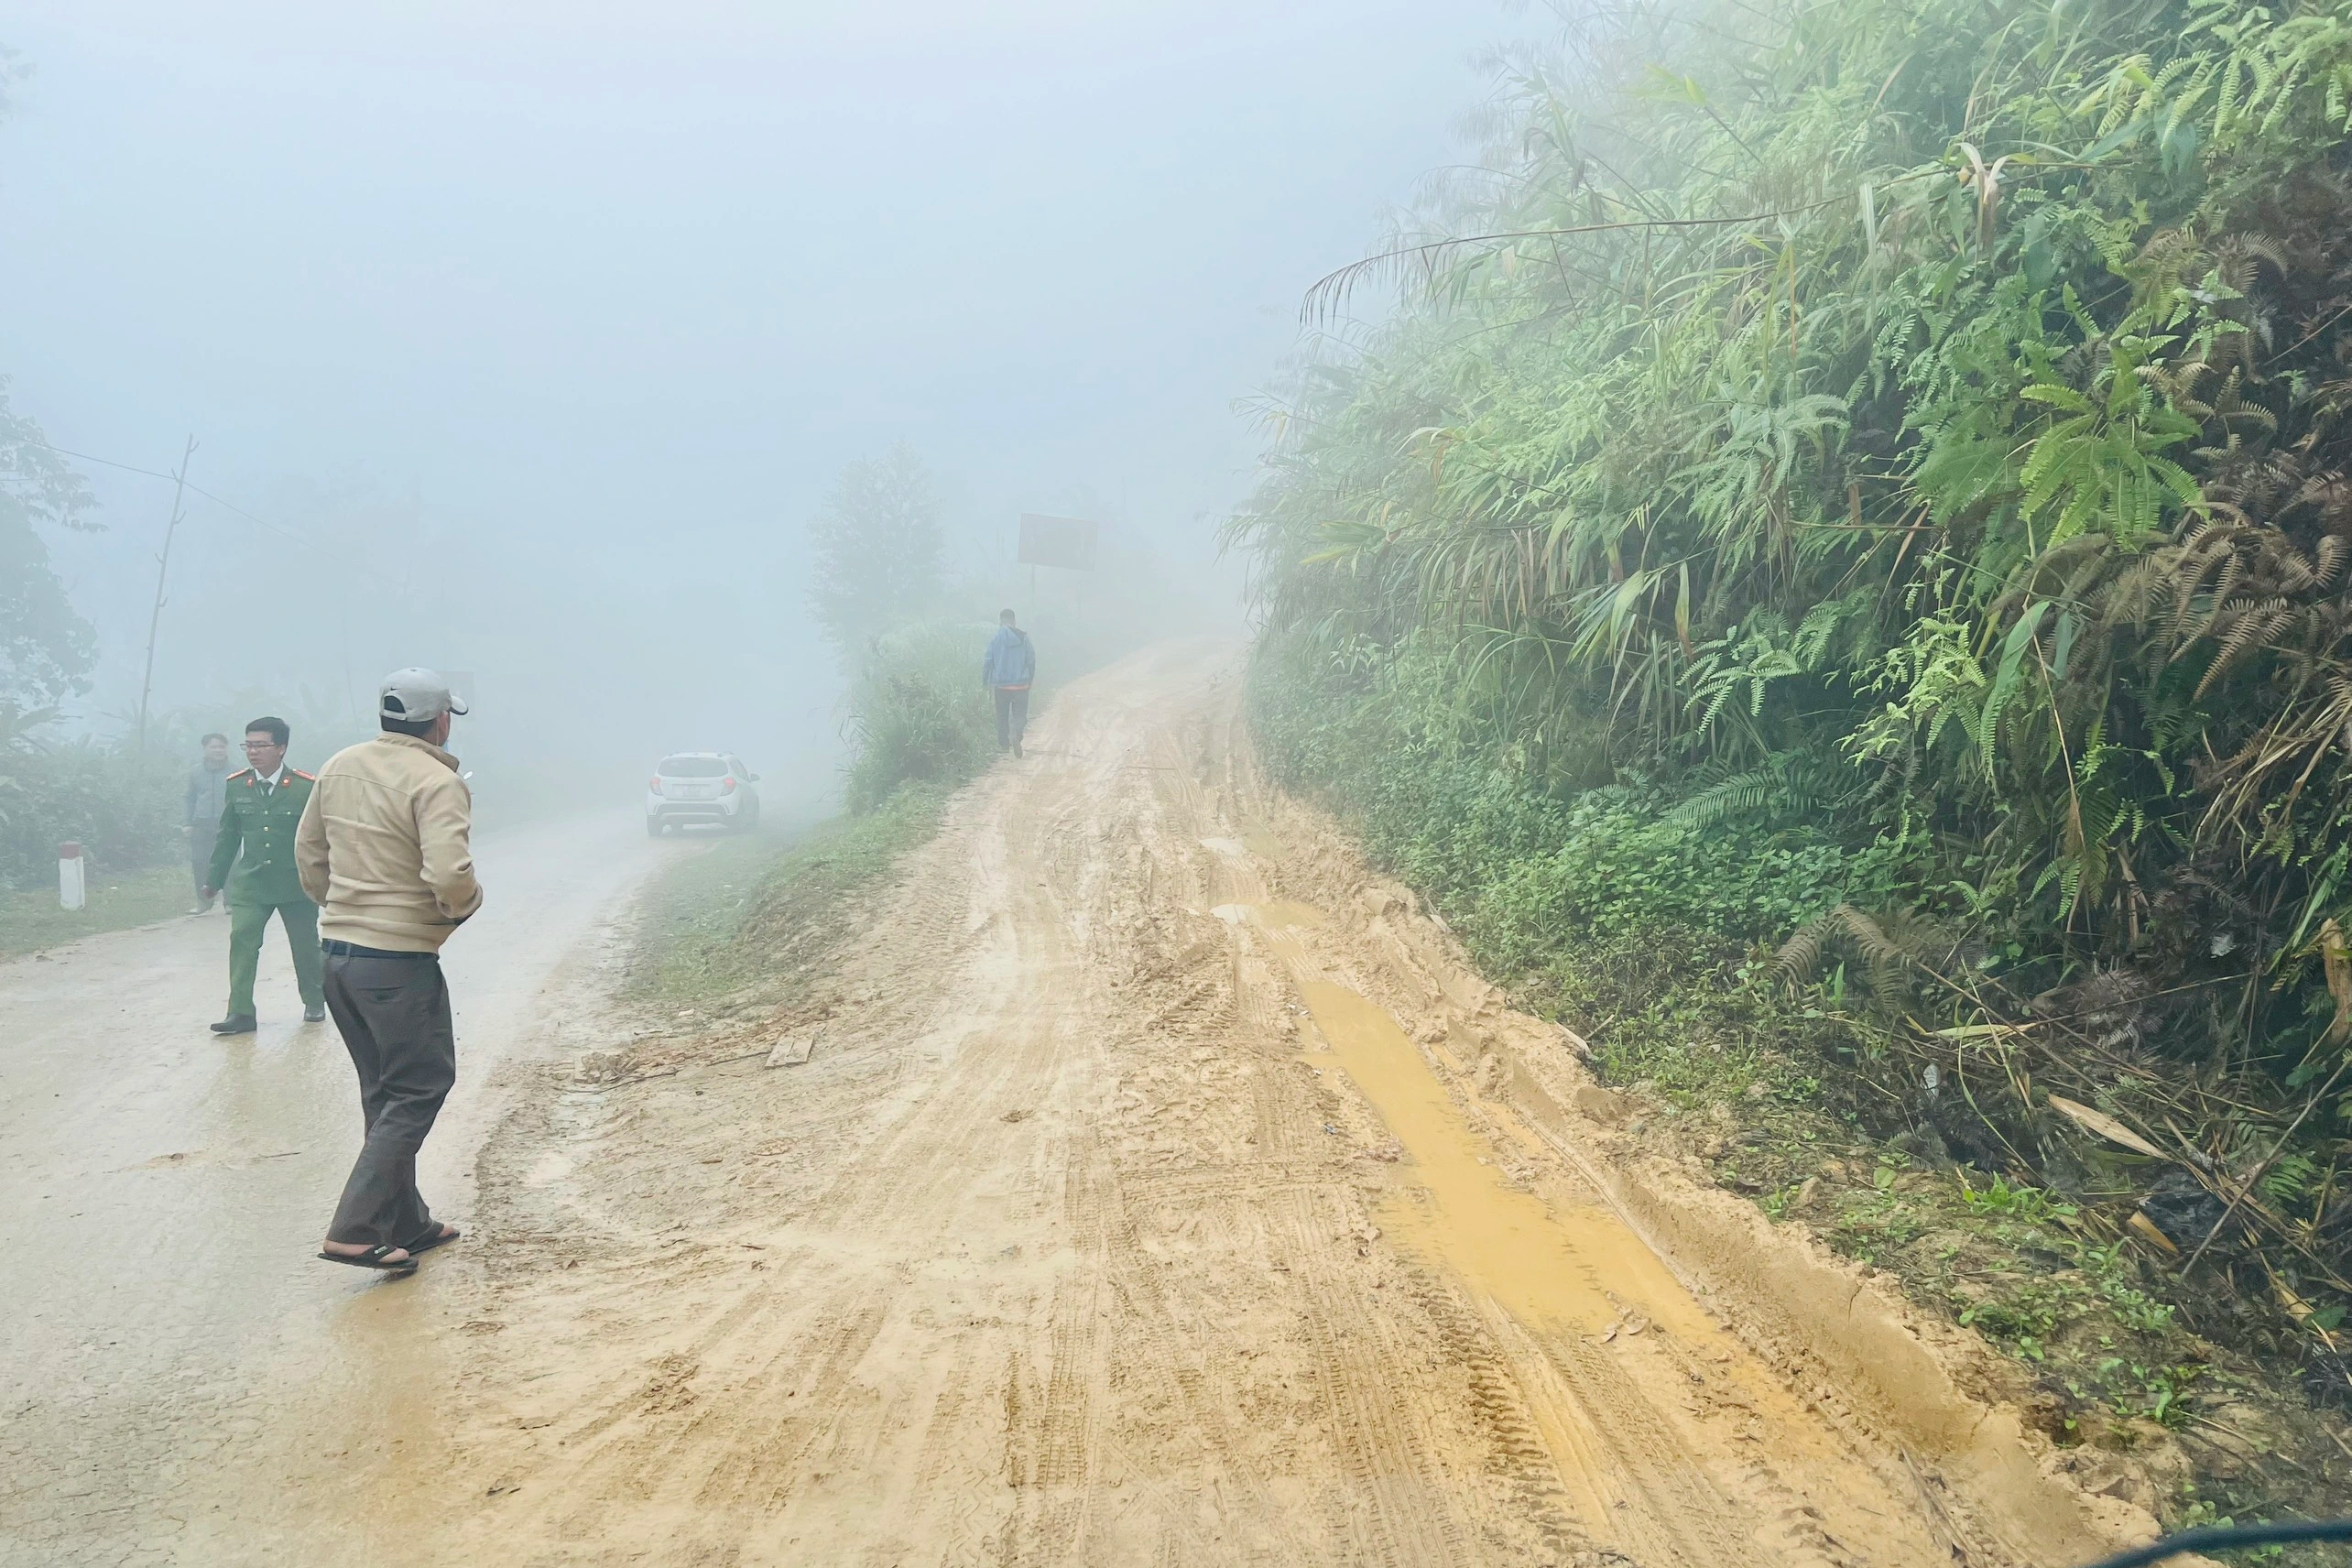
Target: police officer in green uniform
264 808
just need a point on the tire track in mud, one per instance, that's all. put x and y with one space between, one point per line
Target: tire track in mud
1079 1241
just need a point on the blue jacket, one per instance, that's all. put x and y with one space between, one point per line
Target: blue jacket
1010 660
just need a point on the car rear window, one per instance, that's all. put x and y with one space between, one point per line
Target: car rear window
691 768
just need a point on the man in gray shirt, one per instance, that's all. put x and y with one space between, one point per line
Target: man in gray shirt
201 808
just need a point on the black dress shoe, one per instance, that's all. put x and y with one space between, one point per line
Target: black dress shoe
237 1023
315 1015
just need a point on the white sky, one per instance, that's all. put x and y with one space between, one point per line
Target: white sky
617 289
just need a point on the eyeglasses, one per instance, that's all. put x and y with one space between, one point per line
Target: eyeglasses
261 745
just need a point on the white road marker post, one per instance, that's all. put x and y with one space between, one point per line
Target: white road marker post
71 890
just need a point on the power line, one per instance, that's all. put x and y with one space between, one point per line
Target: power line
192 489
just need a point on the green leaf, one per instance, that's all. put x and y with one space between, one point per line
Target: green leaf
2070 625
2020 637
2058 396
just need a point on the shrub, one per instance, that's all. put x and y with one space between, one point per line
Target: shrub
918 713
1526 872
124 809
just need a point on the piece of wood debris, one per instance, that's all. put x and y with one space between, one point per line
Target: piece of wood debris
2140 1225
2106 1126
624 1082
794 1050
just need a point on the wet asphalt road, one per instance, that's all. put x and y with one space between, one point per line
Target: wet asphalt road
182 1376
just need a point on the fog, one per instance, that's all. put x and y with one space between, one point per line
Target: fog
530 337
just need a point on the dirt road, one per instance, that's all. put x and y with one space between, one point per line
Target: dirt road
1158 1191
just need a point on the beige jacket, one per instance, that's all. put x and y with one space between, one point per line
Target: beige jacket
382 849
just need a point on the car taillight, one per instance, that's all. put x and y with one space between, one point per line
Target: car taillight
656 785
727 788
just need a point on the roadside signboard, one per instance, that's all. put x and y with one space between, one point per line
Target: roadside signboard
1066 542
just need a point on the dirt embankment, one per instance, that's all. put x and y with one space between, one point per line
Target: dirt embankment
1159 1189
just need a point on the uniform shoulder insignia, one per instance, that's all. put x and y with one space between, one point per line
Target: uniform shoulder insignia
245 773
300 774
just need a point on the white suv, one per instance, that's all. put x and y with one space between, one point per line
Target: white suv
701 787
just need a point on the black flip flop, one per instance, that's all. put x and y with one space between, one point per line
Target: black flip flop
377 1257
438 1238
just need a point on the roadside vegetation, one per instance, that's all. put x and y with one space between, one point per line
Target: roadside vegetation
62 778
121 806
1832 572
124 808
746 922
124 813
909 640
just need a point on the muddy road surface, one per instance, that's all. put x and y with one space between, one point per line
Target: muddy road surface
170 1340
1149 1186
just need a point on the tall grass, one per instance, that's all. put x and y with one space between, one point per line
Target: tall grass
917 714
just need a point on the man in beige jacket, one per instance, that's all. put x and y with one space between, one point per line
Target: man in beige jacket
382 849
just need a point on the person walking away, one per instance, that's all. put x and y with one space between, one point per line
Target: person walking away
199 813
1007 669
385 848
262 804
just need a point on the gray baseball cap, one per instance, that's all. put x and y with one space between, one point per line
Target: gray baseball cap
416 696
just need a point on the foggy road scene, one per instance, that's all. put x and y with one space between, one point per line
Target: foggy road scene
1065 786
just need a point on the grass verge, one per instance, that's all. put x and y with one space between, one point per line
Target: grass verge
745 923
30 918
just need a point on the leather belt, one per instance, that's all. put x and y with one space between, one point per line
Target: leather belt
353 950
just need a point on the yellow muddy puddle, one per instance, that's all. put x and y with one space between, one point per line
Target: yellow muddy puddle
1253 841
1577 1269
1277 915
1554 1267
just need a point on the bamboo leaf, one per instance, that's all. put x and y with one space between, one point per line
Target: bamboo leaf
2013 650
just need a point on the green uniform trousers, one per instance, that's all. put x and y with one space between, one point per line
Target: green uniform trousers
248 922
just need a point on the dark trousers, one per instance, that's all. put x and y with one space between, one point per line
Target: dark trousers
1012 714
394 1015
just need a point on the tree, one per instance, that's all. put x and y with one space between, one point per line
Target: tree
46 648
878 550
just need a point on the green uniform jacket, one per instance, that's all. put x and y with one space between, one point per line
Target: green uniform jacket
258 832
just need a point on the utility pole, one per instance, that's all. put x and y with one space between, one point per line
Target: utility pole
162 572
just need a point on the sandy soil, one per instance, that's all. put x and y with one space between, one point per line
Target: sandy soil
1158 1189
